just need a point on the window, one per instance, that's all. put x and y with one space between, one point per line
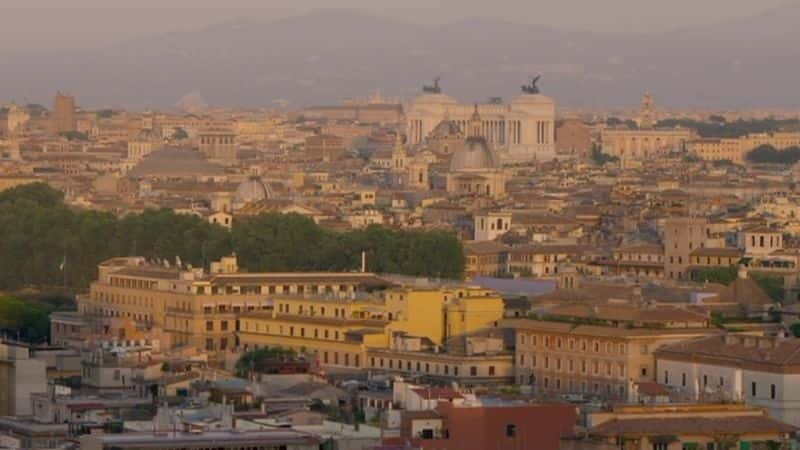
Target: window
753 389
644 371
666 377
683 379
491 372
473 371
209 326
659 446
511 430
772 391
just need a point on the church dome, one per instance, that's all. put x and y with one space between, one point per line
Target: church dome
252 191
175 163
474 154
445 129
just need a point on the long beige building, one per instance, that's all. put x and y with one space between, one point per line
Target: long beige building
736 149
598 350
203 309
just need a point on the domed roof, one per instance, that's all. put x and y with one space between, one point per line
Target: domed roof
446 128
175 163
252 191
474 154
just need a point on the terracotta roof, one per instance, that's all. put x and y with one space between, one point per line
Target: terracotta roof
745 291
437 393
485 247
691 425
723 252
739 350
600 330
626 313
641 248
652 389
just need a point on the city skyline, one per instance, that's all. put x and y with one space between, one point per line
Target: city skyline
408 226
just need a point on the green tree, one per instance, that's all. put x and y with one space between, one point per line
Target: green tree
601 158
770 155
75 135
28 321
252 358
45 243
772 285
180 134
721 275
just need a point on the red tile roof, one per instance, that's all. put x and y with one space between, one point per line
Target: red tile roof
437 393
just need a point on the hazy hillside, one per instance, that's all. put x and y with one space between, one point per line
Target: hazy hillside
329 55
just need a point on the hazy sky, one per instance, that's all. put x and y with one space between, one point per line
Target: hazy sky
62 24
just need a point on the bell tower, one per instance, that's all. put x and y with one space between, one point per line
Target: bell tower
475 124
647 116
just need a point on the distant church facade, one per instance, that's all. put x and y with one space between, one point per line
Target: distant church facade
520 132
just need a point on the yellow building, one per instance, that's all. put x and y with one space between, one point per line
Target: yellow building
643 144
402 325
724 149
705 257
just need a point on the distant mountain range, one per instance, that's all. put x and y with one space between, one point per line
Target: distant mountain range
329 55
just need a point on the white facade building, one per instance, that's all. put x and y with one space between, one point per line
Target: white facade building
491 225
522 131
760 371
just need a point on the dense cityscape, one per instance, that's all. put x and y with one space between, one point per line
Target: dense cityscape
423 272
